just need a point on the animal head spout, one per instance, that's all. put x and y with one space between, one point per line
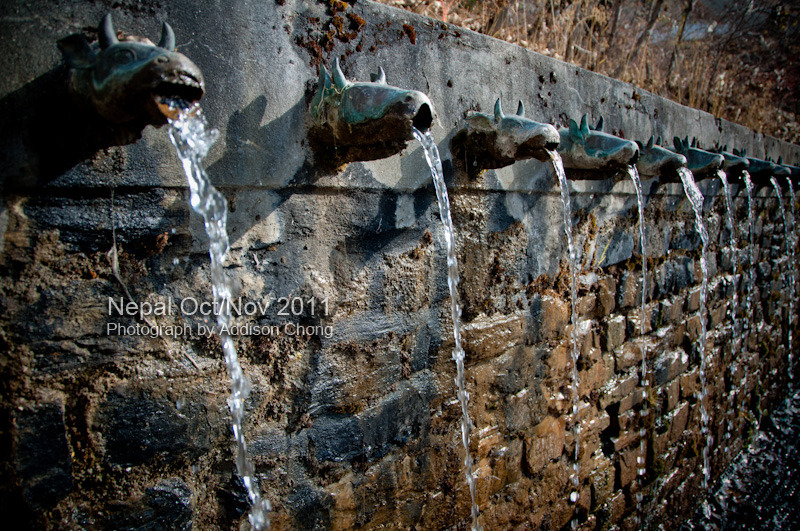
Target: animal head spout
700 162
657 161
587 148
365 120
498 140
131 81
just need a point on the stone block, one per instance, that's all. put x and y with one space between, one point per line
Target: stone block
693 301
488 337
669 365
549 318
678 420
137 427
614 335
690 383
672 393
42 459
545 445
606 294
630 290
627 465
618 389
628 355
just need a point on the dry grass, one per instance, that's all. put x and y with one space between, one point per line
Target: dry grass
747 74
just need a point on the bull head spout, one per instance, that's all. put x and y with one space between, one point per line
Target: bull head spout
700 162
733 165
497 140
658 161
133 82
363 120
586 148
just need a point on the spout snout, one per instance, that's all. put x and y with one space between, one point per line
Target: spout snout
422 120
544 139
702 162
626 154
549 137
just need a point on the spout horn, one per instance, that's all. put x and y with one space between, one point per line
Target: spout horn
338 76
380 77
650 142
521 109
584 126
107 33
498 110
167 38
599 126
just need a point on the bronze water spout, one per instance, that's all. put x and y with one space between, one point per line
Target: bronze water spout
700 162
494 141
657 161
363 120
586 148
133 82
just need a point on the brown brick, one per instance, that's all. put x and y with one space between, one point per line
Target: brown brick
614 332
546 444
618 389
488 337
677 422
627 465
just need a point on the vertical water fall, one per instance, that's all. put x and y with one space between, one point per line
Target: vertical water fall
435 164
792 243
790 259
641 470
748 315
696 199
574 353
192 140
734 312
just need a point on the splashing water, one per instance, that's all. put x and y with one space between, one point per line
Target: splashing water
641 470
192 140
558 165
747 323
435 163
790 256
696 199
792 242
735 300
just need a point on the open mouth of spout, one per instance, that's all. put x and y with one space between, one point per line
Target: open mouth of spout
634 158
423 119
176 92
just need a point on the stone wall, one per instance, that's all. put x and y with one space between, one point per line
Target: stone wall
357 425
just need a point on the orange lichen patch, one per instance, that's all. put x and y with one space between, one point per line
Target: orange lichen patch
338 6
356 22
411 32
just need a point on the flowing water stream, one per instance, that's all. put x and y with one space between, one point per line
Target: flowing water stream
696 199
792 243
641 470
748 317
790 258
435 163
558 165
736 337
192 138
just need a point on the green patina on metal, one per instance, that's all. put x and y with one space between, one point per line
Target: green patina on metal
700 162
364 120
655 160
587 148
130 81
493 141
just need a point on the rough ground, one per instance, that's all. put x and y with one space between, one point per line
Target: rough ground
761 490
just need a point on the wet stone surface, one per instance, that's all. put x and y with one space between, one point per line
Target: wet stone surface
761 489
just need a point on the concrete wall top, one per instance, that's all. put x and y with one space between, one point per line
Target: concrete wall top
260 63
